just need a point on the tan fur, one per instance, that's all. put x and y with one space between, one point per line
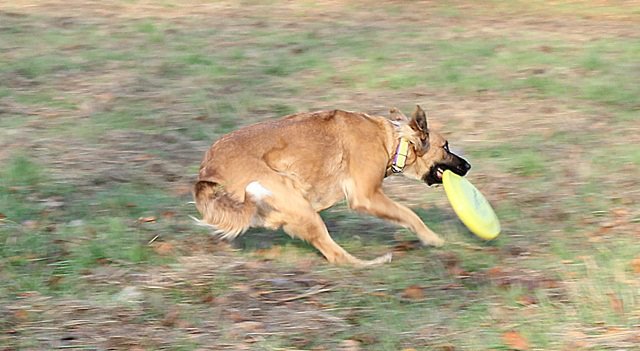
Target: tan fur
306 163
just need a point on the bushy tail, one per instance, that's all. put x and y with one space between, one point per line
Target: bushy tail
219 210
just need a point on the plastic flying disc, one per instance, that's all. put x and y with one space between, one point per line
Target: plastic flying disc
470 206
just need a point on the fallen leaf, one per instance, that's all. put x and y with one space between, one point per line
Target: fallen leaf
380 294
2 216
21 315
237 317
406 245
635 264
366 339
414 292
163 248
515 340
449 260
54 280
147 219
142 158
620 212
270 253
496 273
181 189
168 214
458 272
617 305
170 318
526 300
545 48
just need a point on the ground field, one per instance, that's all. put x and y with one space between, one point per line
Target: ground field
106 109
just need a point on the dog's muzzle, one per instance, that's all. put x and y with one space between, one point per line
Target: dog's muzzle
460 167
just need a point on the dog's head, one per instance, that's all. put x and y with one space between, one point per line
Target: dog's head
432 155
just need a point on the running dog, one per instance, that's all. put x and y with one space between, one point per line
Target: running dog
281 173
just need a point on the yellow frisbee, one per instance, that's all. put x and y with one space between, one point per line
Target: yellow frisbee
470 206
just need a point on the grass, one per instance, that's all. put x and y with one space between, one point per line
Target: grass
103 123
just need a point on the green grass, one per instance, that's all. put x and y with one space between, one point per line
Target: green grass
181 78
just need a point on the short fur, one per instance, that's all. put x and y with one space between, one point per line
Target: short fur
281 173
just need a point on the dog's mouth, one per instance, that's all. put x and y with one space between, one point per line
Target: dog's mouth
434 176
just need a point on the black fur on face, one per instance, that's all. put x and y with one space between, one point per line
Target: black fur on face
452 162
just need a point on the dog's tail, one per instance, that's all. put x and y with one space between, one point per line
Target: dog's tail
228 216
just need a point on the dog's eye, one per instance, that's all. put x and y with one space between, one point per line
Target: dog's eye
446 146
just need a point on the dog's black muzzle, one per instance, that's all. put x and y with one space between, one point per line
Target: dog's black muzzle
457 165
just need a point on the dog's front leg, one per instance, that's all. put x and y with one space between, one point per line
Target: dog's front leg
379 205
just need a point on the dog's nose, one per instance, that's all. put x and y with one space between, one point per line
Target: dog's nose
467 166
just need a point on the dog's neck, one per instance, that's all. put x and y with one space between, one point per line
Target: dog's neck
398 160
400 156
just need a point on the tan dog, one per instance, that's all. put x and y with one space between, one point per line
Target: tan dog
282 173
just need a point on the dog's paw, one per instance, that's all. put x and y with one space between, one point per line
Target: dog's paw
434 240
386 258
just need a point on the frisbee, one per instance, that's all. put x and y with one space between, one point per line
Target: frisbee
471 207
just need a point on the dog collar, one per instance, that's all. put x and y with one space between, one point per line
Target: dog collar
400 157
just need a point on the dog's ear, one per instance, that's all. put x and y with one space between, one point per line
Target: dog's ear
419 120
419 124
397 115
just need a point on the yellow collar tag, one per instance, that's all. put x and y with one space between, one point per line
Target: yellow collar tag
400 158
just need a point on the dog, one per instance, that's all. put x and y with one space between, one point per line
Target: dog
281 173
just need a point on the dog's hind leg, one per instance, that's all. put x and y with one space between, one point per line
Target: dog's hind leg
310 227
300 220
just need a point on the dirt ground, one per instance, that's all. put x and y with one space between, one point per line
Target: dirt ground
218 296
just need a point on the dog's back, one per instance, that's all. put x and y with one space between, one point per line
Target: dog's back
310 151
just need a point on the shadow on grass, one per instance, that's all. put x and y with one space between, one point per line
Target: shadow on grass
357 231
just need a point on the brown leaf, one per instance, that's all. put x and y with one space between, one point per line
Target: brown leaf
270 253
150 219
497 272
54 280
406 245
168 214
170 318
617 305
21 315
380 294
163 248
635 264
181 189
458 272
545 48
620 212
515 340
2 216
414 292
366 339
449 260
526 300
